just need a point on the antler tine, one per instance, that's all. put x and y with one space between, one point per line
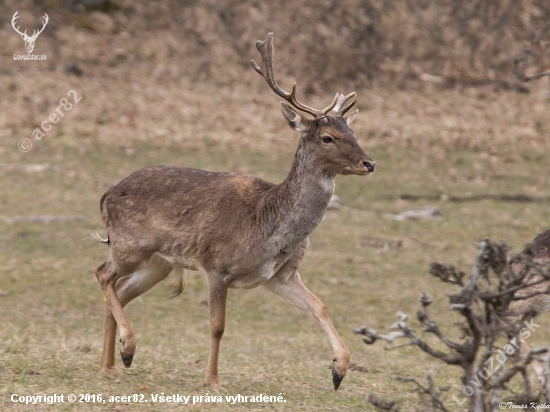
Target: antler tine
330 106
341 107
265 47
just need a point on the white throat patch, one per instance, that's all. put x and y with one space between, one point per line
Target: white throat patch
327 183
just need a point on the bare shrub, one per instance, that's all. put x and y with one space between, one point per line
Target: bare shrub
483 301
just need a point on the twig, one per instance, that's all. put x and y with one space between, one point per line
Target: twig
483 301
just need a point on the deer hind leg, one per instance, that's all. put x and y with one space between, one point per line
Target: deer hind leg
127 289
294 291
107 277
217 297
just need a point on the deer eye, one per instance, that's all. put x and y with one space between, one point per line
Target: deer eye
327 139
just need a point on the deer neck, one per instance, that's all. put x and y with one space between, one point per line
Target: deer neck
298 204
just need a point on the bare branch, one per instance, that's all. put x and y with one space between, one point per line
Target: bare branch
446 273
400 330
484 300
517 367
430 392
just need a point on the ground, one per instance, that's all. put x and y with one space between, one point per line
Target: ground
455 149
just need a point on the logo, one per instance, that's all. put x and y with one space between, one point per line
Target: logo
29 40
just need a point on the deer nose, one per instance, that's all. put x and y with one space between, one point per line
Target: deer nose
369 164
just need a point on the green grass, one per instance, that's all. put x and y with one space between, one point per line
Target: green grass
51 315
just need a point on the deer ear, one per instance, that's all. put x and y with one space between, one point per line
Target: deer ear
294 119
351 117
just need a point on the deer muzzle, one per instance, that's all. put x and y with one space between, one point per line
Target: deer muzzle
364 166
369 165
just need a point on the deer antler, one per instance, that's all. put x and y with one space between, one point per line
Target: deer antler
13 21
265 48
340 108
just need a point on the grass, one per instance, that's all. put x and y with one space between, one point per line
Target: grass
142 105
52 309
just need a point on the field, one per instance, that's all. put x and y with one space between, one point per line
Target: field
478 154
52 307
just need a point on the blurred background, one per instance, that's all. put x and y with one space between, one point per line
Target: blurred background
445 110
148 70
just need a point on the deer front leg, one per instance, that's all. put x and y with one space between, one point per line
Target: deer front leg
217 301
295 292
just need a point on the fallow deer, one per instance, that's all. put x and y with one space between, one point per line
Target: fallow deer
240 230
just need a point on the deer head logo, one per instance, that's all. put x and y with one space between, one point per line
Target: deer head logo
29 40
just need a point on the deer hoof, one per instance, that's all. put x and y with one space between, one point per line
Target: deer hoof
336 379
127 359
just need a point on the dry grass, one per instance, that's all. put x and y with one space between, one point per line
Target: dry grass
51 333
430 143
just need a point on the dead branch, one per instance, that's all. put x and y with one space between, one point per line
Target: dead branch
483 300
399 330
447 273
428 395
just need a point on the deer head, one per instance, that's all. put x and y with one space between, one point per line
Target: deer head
331 143
29 40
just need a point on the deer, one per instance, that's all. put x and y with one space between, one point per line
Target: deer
240 230
29 40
